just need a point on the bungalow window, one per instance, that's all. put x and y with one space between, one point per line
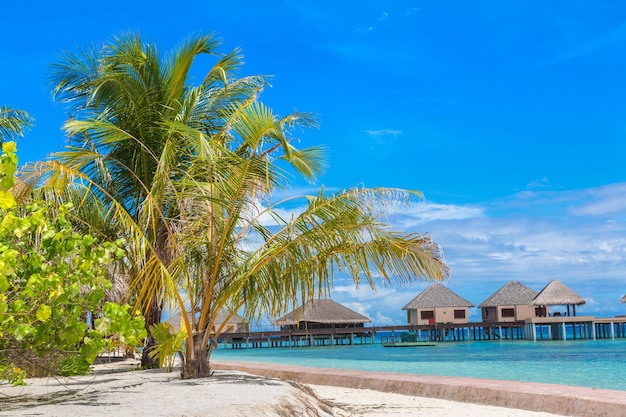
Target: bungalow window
459 314
427 314
508 312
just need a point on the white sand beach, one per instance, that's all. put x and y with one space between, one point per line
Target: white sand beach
113 390
369 403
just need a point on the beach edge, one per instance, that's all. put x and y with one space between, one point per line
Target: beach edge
550 398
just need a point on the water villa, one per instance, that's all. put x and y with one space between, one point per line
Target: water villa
233 325
560 325
437 304
512 302
320 322
437 314
322 314
557 294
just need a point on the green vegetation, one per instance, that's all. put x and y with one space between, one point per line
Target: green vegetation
13 123
51 280
187 174
168 344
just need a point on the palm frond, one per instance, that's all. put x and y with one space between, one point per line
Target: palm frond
13 123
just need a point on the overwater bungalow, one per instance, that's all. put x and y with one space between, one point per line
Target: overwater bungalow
437 304
623 300
322 314
557 294
512 302
236 324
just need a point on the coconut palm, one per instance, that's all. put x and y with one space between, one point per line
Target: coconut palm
13 123
135 129
186 176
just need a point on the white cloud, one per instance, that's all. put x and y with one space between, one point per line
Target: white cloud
576 236
384 132
540 184
530 237
418 213
610 199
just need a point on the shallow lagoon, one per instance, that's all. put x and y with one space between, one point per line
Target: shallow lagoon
595 364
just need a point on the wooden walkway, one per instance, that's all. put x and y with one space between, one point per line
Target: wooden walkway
536 329
575 328
442 332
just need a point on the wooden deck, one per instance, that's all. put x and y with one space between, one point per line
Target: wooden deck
575 328
440 332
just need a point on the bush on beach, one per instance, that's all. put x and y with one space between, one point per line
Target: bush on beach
53 318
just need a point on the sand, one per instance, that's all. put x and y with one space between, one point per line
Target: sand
369 403
114 390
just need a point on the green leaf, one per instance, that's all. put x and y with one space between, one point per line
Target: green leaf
22 331
9 147
43 313
6 200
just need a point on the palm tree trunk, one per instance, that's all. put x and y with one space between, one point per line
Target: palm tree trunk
155 309
197 365
153 316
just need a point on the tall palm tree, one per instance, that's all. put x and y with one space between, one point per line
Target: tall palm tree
135 128
185 175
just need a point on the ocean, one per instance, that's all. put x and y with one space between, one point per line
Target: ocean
586 363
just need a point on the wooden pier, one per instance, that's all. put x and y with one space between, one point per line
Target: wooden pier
575 328
299 338
535 329
440 332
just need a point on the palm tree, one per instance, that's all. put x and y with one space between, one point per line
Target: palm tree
135 129
13 123
186 176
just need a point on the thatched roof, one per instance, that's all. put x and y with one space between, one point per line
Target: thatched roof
437 296
512 293
174 319
556 293
623 300
236 319
322 311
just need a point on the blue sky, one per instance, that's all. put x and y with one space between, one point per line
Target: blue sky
510 116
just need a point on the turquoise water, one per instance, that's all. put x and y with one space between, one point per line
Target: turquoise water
595 364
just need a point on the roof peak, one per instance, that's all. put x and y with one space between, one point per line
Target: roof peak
437 295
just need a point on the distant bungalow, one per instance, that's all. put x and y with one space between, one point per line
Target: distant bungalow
437 304
556 293
623 300
236 324
322 314
512 302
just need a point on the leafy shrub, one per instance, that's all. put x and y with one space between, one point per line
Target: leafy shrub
52 280
168 343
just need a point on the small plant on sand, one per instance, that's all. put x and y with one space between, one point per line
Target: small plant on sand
52 286
169 343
